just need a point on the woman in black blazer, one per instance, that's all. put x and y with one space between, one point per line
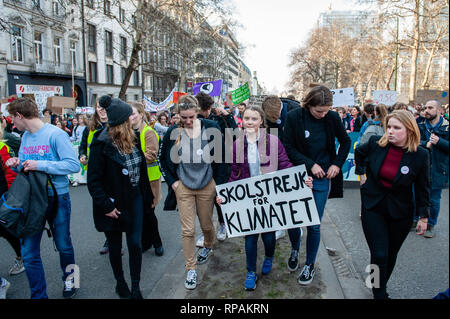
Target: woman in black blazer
394 164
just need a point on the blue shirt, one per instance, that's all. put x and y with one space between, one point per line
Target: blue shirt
51 147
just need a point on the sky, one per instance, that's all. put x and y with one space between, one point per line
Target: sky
272 29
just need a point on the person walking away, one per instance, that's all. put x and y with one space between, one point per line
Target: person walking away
192 172
256 153
434 137
149 141
46 148
311 141
394 164
120 190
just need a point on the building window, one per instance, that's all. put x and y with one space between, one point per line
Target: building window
121 15
94 100
38 47
57 50
92 38
92 71
136 97
73 53
123 48
148 85
109 74
136 78
16 45
123 71
108 44
107 7
55 8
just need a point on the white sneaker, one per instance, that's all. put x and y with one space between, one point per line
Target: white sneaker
191 279
200 241
17 268
4 286
75 184
279 234
222 233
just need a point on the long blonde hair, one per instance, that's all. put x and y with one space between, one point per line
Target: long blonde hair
413 133
141 110
123 137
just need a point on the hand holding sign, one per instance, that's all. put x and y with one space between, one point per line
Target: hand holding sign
274 201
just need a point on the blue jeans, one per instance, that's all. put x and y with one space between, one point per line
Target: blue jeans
435 206
251 248
321 190
31 249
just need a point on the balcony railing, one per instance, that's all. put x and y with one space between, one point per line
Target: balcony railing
50 67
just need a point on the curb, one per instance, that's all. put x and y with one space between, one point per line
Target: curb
350 281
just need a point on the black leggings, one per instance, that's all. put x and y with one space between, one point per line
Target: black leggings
134 246
384 237
13 241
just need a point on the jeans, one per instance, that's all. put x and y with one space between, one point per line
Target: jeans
435 206
251 248
31 249
133 242
321 190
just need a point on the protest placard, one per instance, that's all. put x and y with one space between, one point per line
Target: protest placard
385 97
269 202
343 97
241 94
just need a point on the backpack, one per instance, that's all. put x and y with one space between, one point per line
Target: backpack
372 130
23 208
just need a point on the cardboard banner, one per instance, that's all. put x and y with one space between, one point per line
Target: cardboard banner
151 106
269 202
240 95
343 97
213 88
385 97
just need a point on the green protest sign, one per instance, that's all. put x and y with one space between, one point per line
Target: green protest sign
241 94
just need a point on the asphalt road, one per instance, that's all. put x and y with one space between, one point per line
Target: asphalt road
422 268
96 276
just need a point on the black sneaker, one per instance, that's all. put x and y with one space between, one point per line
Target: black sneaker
293 260
203 255
122 289
159 251
306 275
69 289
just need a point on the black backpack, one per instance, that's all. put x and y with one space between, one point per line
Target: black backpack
23 208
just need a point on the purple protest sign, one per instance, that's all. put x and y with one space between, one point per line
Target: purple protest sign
213 88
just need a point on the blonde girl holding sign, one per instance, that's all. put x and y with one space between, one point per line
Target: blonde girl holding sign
256 153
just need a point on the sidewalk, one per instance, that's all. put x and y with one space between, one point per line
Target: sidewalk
223 276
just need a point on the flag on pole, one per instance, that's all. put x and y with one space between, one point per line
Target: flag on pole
213 88
151 106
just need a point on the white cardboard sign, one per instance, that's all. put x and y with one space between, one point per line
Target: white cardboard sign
343 97
269 202
387 98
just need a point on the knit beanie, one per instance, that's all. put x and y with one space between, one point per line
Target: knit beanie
117 110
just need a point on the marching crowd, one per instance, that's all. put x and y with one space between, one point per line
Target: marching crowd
401 157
